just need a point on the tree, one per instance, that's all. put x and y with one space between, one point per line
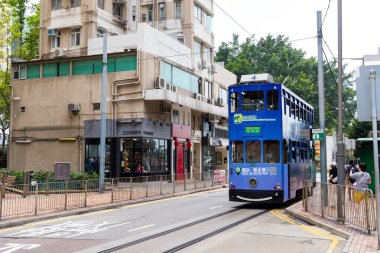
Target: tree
288 65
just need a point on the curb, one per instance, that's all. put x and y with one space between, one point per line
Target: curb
23 221
319 224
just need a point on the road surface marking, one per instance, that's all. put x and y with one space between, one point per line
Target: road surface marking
147 226
12 247
317 232
214 207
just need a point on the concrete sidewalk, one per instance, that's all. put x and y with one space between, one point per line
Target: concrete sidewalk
358 239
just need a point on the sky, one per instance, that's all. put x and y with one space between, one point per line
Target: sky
297 19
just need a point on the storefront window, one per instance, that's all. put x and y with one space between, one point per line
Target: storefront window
208 159
92 156
144 155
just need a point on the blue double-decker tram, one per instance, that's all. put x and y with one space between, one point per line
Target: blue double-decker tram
269 137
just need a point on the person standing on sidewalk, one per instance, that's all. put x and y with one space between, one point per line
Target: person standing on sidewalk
350 168
361 181
333 180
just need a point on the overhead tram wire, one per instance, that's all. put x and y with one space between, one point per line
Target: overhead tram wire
327 10
336 85
236 22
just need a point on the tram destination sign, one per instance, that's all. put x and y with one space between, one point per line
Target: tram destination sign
253 130
318 134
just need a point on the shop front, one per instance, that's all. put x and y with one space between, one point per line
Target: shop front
134 147
182 149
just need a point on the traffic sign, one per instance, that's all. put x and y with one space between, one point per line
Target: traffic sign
317 134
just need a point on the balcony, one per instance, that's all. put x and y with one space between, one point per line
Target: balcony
64 18
192 103
201 33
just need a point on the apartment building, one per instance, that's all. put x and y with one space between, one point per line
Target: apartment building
166 98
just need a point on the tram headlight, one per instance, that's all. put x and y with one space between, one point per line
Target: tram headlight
253 182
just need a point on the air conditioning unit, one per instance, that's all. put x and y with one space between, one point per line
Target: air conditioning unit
202 65
160 83
52 32
204 99
59 52
210 101
168 86
219 102
73 107
198 96
174 88
118 1
212 69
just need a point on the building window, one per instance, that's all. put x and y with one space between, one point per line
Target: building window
56 40
223 94
75 37
198 12
75 3
55 4
197 49
150 13
162 11
218 158
117 10
101 4
22 72
208 89
208 22
207 55
178 9
175 116
96 106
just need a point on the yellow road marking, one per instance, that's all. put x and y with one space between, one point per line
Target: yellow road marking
317 232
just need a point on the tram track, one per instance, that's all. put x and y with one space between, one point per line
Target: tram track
191 242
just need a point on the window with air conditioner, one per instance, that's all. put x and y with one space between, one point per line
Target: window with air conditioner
178 9
56 4
56 40
75 37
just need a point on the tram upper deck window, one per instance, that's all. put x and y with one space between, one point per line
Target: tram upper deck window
272 151
237 149
234 101
293 106
253 100
253 151
272 100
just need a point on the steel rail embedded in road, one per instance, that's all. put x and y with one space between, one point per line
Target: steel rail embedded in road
201 238
144 239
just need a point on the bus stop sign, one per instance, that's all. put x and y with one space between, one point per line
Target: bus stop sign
317 134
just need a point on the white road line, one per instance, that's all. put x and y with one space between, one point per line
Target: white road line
214 207
147 226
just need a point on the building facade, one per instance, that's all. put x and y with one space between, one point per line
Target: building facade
166 98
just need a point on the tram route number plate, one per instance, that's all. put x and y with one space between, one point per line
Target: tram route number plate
317 134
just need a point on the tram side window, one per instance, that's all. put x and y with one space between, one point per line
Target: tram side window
272 100
285 151
272 151
253 151
237 152
297 110
253 100
294 152
234 101
288 106
293 108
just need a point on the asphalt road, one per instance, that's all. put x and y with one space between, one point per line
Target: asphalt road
135 228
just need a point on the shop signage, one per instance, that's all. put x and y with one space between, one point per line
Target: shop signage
181 131
317 134
239 118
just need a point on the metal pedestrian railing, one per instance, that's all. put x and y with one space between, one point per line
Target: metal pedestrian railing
358 205
27 199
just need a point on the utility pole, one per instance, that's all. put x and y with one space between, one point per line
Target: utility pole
321 91
372 77
103 115
340 148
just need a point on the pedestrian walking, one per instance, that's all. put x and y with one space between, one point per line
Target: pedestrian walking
333 180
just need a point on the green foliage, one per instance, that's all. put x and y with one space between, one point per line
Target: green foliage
288 65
